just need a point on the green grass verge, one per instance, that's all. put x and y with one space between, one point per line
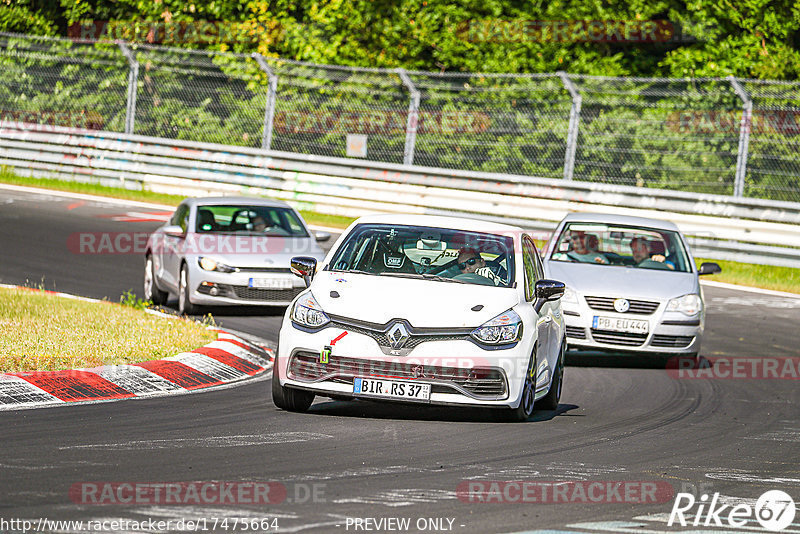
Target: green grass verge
46 332
764 276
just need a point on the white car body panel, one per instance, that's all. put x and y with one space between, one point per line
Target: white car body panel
425 304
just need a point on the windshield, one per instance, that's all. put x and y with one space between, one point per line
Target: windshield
632 246
253 220
427 253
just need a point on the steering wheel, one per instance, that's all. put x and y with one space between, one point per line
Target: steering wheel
498 269
474 278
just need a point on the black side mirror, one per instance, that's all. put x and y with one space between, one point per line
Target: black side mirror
547 291
304 267
709 268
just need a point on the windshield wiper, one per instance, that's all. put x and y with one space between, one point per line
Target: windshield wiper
352 271
438 278
424 276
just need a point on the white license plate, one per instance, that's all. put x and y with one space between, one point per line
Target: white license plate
391 389
619 324
271 283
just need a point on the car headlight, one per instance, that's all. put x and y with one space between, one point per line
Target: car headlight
307 312
208 264
570 296
688 304
503 329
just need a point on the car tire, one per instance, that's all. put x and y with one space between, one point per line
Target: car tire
289 399
151 291
185 306
526 404
550 401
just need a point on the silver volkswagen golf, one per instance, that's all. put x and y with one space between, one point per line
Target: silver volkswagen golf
632 284
228 251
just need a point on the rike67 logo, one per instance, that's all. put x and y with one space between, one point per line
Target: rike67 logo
774 511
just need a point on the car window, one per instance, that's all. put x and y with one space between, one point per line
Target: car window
181 217
631 246
249 219
529 264
537 261
427 253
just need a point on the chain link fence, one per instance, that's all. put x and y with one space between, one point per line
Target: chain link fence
706 135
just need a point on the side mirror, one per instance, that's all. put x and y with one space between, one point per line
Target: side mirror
547 291
321 237
304 267
709 268
173 230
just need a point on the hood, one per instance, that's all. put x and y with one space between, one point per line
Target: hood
628 282
423 303
252 251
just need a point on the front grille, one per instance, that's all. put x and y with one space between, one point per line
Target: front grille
618 338
644 307
380 332
382 338
274 295
481 383
660 340
577 332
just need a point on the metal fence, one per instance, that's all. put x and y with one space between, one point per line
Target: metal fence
723 136
349 187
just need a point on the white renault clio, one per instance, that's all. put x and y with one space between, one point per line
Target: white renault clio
424 309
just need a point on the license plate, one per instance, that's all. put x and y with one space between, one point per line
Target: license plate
619 324
391 389
271 283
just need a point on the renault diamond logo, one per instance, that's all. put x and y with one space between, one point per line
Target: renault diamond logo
398 335
622 305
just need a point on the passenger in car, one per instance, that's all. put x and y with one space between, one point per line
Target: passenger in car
581 250
259 224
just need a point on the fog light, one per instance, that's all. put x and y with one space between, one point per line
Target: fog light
214 291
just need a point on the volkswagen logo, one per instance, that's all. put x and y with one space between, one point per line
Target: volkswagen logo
398 335
622 305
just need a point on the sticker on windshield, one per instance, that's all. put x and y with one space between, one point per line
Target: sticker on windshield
393 261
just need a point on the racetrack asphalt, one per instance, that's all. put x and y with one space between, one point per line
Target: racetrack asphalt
620 419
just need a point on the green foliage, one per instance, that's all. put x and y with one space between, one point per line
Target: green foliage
747 38
629 133
129 298
18 16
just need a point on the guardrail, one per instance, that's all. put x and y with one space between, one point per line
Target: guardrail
722 227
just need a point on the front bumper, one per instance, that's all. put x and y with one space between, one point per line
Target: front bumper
213 288
668 332
459 371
